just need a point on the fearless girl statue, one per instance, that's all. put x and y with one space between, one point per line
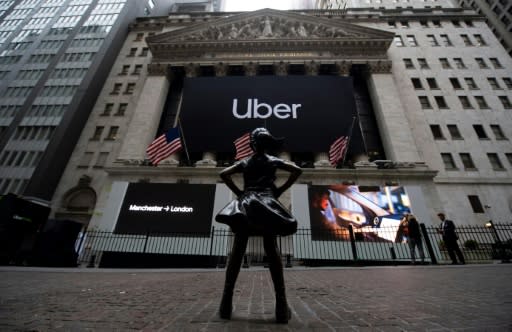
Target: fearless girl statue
257 212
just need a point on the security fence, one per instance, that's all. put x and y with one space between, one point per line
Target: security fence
309 247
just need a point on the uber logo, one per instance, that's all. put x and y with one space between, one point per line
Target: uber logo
257 110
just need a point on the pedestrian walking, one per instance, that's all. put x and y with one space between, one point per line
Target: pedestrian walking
447 230
415 240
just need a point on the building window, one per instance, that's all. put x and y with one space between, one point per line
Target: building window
468 23
495 63
480 41
481 63
423 63
480 132
116 89
412 40
505 101
467 161
101 160
144 51
454 132
137 69
445 64
108 109
498 133
449 163
508 81
86 160
495 161
441 103
476 205
466 40
121 109
424 24
129 88
124 70
408 64
456 23
436 23
404 24
139 36
432 84
436 131
482 104
432 40
464 101
392 24
459 63
112 134
494 83
446 40
471 83
133 51
398 41
509 158
416 83
97 133
425 103
455 83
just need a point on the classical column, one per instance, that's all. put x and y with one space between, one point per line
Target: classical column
146 118
311 68
390 114
209 160
251 69
322 160
343 68
221 69
281 68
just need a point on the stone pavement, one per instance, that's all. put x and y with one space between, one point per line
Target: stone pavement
405 298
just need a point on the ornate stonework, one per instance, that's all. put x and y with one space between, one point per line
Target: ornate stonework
269 34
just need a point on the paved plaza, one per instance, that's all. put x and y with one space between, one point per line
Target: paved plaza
405 298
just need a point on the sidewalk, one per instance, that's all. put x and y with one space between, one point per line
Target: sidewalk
405 298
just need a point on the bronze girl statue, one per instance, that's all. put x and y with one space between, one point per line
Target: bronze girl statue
257 212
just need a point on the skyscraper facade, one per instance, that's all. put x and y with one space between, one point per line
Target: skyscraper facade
54 58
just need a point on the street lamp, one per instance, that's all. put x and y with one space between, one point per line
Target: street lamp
501 247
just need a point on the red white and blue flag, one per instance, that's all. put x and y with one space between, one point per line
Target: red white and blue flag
165 145
243 146
337 150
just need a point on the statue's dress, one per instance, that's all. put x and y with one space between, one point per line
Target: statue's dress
257 211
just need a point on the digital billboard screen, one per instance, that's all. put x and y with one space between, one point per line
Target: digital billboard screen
310 112
166 208
374 212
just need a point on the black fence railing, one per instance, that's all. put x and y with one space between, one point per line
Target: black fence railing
307 247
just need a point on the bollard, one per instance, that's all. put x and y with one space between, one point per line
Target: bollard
91 261
288 260
392 251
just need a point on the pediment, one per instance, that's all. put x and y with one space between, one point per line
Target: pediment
270 30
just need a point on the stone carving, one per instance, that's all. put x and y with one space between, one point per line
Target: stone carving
268 28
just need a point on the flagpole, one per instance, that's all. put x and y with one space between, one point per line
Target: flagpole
362 135
177 122
348 140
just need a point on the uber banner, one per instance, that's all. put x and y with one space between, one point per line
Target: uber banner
166 208
310 112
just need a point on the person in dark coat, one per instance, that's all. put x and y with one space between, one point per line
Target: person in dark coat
447 230
257 211
414 240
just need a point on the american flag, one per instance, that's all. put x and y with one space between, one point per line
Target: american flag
165 145
337 150
243 146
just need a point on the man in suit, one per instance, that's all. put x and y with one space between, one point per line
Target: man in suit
447 230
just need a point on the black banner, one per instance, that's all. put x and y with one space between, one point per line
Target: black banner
310 112
166 208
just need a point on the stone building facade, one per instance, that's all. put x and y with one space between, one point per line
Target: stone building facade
440 101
